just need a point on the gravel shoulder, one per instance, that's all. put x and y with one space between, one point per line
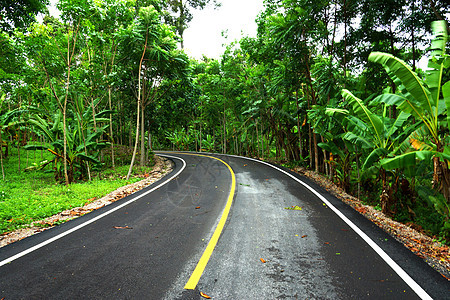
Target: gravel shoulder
435 254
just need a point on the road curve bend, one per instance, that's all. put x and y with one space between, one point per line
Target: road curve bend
267 234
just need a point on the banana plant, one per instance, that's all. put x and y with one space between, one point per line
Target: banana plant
209 143
428 101
378 135
83 143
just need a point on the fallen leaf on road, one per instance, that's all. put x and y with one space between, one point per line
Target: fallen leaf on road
303 236
296 207
198 207
122 227
204 295
262 260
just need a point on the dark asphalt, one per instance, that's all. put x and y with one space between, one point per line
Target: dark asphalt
309 254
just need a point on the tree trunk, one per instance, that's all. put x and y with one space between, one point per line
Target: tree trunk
384 198
1 155
138 109
142 160
111 131
66 175
224 148
316 153
299 131
441 175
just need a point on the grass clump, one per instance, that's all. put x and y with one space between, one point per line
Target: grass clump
31 196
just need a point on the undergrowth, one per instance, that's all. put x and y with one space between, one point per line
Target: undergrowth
34 195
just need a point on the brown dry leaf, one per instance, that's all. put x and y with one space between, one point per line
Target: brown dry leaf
262 260
198 207
204 295
303 236
122 227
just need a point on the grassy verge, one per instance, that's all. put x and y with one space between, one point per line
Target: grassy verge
31 196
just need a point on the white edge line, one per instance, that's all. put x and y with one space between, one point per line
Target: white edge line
29 250
402 273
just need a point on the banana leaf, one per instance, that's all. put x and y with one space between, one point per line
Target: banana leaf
406 160
373 122
90 158
397 68
373 157
35 147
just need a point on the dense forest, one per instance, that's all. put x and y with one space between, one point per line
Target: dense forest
356 90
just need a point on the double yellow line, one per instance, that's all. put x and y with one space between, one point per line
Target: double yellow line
201 265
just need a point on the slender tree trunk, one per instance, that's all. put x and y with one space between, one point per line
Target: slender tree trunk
224 150
334 31
1 154
257 138
111 131
138 109
384 198
66 175
441 175
18 148
299 131
325 163
316 153
130 135
180 27
358 174
345 39
142 160
201 136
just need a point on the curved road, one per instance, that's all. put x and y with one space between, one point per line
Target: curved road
322 250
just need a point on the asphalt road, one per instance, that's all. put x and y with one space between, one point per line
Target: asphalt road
323 251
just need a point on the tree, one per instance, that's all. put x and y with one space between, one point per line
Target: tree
427 101
20 13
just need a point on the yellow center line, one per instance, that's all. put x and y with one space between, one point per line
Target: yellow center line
198 271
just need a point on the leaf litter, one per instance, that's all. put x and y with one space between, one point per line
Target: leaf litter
296 207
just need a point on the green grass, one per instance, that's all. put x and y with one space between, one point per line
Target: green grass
31 196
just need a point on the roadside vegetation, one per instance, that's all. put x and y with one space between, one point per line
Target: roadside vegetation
339 87
28 195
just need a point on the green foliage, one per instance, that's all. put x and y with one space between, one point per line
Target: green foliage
83 145
20 13
32 196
